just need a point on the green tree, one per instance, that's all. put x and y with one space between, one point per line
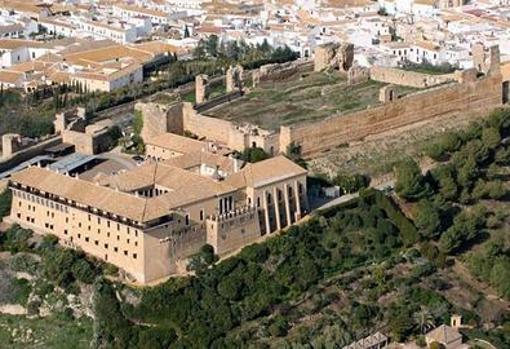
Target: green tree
83 271
444 176
500 276
16 239
278 327
203 259
212 45
491 137
468 172
5 203
351 183
428 219
254 154
423 319
111 328
451 141
466 227
410 184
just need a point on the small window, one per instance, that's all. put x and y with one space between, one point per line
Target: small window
134 255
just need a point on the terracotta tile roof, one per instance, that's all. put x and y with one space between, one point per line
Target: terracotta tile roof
113 52
183 145
23 6
60 77
12 44
265 172
83 192
444 334
193 160
428 45
32 66
142 10
156 47
108 72
114 194
10 77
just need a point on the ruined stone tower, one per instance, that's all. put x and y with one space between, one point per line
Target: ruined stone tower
234 78
334 56
201 93
486 61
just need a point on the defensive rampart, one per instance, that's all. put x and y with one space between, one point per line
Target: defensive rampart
478 96
408 78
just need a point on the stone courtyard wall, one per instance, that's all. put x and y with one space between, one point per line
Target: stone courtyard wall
205 126
408 78
158 119
479 96
28 153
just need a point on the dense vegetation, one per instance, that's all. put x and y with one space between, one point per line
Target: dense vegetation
254 154
19 115
429 68
59 267
200 311
5 203
447 200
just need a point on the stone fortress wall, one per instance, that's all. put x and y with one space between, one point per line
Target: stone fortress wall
477 96
409 78
87 138
475 90
467 93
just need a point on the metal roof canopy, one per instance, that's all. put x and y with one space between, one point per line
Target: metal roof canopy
71 162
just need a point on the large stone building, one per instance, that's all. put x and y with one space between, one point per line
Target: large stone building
148 220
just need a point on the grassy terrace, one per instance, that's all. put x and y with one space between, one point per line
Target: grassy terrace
301 99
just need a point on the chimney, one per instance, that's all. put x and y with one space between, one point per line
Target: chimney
456 321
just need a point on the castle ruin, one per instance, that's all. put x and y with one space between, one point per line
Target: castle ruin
234 78
338 56
201 88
